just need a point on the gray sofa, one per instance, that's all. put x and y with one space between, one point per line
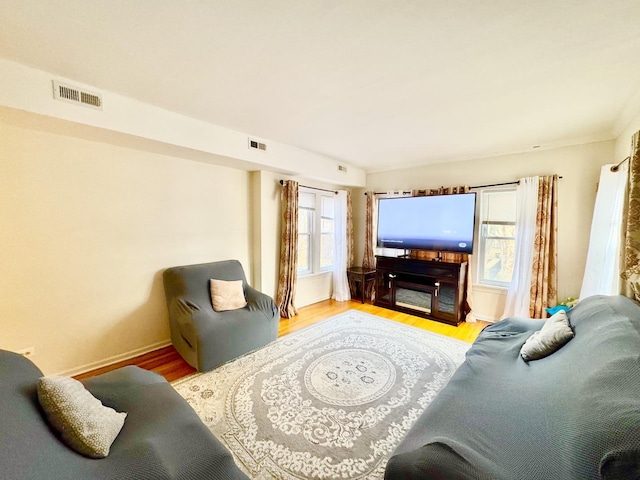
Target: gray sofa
206 338
573 415
162 437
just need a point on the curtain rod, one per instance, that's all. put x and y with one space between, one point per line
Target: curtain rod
313 188
615 168
517 182
384 193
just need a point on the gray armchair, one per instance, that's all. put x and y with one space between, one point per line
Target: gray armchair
206 338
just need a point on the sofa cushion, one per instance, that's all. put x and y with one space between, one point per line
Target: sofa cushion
553 335
227 295
82 421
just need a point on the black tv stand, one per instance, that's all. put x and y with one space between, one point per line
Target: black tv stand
431 289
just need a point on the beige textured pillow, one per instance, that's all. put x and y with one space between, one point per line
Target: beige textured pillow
553 335
227 295
82 421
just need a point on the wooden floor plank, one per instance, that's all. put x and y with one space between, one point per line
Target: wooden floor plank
168 362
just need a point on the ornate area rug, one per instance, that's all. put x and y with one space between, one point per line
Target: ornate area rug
330 401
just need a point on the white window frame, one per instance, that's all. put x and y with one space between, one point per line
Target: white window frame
310 212
483 225
315 240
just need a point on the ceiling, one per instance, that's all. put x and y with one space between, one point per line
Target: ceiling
376 84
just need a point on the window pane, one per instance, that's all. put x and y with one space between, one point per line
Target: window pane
499 205
499 258
327 225
303 252
494 230
306 199
328 207
316 231
497 236
326 250
304 220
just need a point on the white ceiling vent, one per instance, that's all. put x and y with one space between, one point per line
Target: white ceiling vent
77 95
257 145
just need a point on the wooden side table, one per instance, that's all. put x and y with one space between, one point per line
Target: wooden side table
360 276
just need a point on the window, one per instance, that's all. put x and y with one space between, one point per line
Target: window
497 246
327 241
316 237
306 209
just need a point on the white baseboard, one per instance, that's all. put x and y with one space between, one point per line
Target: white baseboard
115 359
485 317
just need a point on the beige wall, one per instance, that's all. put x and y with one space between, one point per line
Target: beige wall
623 142
87 228
578 165
266 232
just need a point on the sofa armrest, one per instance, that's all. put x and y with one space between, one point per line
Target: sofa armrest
129 375
511 326
162 437
109 386
434 461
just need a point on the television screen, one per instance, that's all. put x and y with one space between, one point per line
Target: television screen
441 223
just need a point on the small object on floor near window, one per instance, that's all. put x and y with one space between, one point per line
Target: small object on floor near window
565 305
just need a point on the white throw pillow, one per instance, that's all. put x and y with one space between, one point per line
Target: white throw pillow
227 295
553 335
83 423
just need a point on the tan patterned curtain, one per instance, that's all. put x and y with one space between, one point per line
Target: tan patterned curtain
544 276
631 268
450 257
349 230
288 250
369 259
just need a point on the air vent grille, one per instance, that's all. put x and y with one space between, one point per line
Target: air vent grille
69 94
72 94
342 168
90 99
257 145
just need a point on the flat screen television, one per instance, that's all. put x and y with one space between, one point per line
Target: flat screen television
441 223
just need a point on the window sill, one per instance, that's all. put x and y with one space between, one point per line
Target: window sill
317 274
481 287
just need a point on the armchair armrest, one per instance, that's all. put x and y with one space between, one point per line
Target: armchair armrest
259 301
189 319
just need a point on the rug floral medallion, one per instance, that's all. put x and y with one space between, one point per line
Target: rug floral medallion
331 401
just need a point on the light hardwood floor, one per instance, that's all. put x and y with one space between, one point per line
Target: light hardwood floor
167 362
